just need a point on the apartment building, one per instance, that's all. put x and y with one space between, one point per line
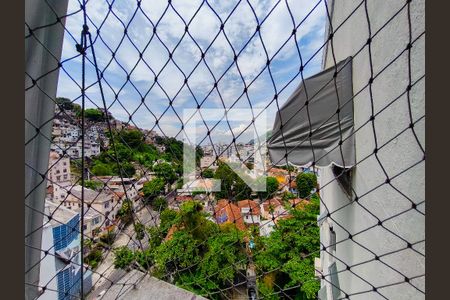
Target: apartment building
105 203
58 176
60 269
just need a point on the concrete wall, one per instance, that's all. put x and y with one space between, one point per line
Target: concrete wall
397 155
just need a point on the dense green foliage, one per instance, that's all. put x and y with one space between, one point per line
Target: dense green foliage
168 218
305 183
93 185
174 150
204 257
159 203
139 229
126 147
287 196
288 168
93 258
93 114
125 213
153 188
194 239
102 169
108 238
64 103
208 173
165 171
123 257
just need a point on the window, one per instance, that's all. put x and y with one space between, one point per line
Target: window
64 163
106 204
64 170
65 176
84 227
58 178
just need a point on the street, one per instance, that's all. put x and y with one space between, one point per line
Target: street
146 216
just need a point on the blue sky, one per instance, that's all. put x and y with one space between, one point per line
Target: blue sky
204 27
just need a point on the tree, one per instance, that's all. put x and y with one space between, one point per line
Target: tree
271 188
241 190
119 152
208 173
165 171
290 249
93 114
123 257
287 196
102 169
94 257
196 253
76 109
289 168
128 170
139 229
159 203
64 103
131 138
154 188
168 217
305 183
220 254
231 185
125 211
93 185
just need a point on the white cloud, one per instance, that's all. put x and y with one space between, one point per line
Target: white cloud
239 27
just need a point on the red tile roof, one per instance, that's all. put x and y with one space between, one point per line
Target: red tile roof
184 198
271 202
232 213
255 210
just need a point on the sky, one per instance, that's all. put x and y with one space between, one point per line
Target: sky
158 28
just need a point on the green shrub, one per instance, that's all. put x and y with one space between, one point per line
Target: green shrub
305 183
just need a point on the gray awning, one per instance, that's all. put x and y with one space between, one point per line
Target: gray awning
328 128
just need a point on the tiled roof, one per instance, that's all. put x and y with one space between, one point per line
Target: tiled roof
271 202
184 198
